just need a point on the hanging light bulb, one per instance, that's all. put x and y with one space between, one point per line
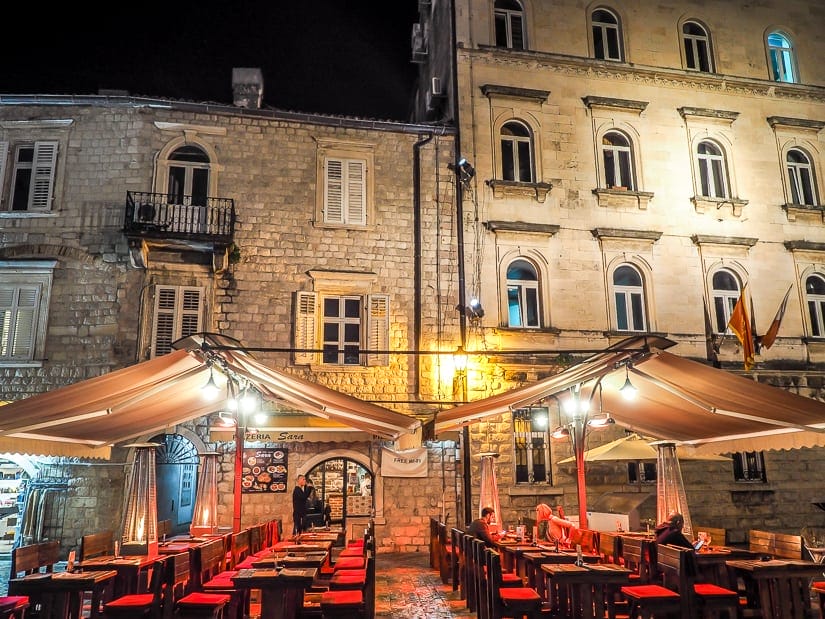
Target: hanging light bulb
248 403
628 391
210 390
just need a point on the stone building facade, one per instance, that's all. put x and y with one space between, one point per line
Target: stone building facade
127 223
636 165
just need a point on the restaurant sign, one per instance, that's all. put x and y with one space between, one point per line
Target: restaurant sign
407 463
264 470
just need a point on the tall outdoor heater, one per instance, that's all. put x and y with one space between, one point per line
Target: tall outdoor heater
140 522
205 518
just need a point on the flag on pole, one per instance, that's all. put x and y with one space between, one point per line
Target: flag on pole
740 324
770 335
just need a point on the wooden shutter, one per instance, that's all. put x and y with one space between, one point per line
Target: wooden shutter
18 321
43 167
378 328
178 313
334 192
356 193
4 155
306 304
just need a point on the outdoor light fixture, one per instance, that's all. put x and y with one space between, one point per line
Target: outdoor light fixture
140 523
474 309
627 390
226 420
210 389
248 403
460 359
600 421
560 432
205 514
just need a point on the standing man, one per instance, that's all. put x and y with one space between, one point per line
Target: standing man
299 504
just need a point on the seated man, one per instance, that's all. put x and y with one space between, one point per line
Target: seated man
480 527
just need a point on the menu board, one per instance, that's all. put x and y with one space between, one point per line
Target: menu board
264 470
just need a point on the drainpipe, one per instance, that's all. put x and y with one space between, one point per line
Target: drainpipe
462 297
417 242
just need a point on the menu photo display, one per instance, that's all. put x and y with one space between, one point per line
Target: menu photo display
264 470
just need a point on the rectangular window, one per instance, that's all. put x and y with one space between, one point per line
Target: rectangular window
32 177
341 330
345 192
641 472
532 446
749 466
25 288
178 313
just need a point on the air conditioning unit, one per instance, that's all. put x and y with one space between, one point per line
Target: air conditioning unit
419 43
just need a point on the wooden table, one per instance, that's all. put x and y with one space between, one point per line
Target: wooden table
289 559
282 591
60 594
712 564
534 560
781 588
131 571
512 557
336 537
584 592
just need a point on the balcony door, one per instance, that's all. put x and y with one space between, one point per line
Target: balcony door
188 189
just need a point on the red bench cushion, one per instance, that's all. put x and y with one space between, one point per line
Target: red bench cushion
518 594
649 591
342 598
132 601
204 599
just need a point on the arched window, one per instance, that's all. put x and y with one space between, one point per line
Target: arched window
801 179
509 17
188 176
629 294
725 295
696 41
607 40
713 170
344 488
618 161
516 153
815 297
522 295
781 58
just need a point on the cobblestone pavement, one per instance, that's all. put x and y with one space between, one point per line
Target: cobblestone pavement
406 587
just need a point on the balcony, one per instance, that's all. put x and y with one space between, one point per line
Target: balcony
194 220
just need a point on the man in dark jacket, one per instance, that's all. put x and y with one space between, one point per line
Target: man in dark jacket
670 532
300 494
480 527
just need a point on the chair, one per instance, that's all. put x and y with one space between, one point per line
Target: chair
469 580
210 603
445 554
147 604
507 601
609 549
97 545
637 555
456 559
178 581
705 600
13 606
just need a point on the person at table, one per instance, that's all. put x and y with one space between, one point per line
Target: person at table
670 531
480 527
552 528
300 494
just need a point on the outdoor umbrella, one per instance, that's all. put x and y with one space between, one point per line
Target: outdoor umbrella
631 448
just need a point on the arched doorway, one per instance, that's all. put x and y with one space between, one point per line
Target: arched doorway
16 473
177 471
345 486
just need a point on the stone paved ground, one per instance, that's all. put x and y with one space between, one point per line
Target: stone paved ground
406 587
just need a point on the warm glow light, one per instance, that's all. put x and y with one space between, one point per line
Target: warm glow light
560 432
140 527
210 390
248 403
460 359
628 391
260 418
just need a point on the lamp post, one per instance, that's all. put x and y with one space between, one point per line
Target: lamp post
140 523
205 517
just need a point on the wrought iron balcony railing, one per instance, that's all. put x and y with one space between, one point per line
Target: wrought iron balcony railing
161 215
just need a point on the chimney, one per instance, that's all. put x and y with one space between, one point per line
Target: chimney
247 87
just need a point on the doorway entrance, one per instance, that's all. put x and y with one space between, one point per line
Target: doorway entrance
176 472
345 486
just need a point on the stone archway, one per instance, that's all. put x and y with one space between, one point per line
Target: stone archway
177 473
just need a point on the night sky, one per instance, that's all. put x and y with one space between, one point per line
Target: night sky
327 56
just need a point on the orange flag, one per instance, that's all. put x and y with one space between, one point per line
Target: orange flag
740 324
770 335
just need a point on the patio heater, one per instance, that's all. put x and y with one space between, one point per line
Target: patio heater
670 488
140 524
205 516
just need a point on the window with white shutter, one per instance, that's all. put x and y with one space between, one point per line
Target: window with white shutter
305 327
25 288
178 313
378 329
4 152
345 191
32 181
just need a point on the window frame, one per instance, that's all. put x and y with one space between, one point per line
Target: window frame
692 46
36 177
310 322
506 17
179 314
795 174
606 32
37 276
527 431
723 300
709 166
749 467
619 153
815 307
513 143
360 154
627 294
351 185
778 71
523 288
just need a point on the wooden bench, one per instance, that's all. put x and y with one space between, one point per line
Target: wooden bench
97 545
678 569
34 558
609 547
778 545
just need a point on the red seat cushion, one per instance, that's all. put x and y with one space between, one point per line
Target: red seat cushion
8 602
349 579
219 583
352 552
649 592
132 601
711 590
518 594
349 563
508 579
342 598
204 599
